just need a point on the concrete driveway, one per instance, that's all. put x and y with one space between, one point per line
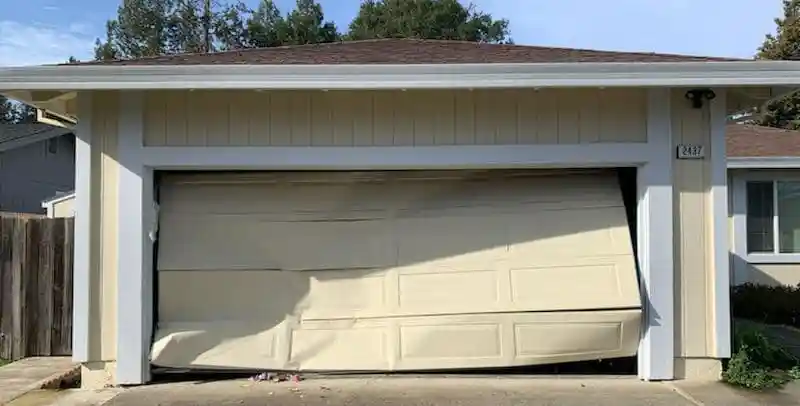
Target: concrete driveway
440 391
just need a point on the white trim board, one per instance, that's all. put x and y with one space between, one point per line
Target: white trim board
655 242
719 208
441 157
781 162
420 76
82 264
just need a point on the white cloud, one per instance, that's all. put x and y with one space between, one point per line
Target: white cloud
39 44
51 8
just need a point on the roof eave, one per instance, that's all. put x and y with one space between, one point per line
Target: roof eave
437 76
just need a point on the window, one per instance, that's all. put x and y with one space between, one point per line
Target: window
773 217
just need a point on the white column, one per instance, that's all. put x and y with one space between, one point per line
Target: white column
719 206
655 242
134 287
81 303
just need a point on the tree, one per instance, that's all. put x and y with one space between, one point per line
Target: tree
304 25
266 27
784 45
142 28
426 19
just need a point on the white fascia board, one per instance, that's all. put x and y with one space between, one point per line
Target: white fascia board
430 76
788 162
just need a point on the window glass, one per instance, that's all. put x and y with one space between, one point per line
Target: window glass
760 209
789 217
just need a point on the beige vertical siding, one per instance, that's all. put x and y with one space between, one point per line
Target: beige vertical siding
64 208
771 274
105 172
692 228
394 118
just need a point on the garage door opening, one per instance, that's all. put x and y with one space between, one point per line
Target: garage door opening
395 270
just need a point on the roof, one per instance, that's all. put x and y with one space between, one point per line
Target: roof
756 141
405 52
16 135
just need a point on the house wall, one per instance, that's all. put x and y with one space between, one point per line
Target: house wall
31 174
548 117
391 118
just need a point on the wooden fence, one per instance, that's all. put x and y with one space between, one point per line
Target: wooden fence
35 286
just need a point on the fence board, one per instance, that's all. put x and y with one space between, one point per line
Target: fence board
35 286
6 326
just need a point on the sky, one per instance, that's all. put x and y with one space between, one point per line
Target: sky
34 32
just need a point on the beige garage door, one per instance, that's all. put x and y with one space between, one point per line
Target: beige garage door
393 270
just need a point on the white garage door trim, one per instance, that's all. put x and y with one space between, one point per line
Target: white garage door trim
134 211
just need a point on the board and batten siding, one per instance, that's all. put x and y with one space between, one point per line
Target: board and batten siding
394 118
103 202
693 233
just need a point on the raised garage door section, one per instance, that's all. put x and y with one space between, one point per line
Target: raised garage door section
393 270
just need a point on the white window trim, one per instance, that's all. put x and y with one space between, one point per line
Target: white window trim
740 217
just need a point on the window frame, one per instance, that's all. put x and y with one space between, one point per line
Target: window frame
738 213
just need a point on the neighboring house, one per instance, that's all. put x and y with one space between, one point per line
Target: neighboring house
37 161
764 203
60 205
401 205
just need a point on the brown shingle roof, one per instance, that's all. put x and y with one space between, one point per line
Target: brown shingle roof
406 51
756 141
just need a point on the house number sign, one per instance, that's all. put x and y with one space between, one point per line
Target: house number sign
691 151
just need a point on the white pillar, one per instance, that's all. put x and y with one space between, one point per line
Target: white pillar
719 204
134 281
81 303
655 242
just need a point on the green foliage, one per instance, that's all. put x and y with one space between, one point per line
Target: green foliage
757 363
784 45
767 304
426 19
157 27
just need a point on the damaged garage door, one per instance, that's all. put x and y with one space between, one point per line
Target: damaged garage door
382 271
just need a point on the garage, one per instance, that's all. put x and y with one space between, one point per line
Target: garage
393 270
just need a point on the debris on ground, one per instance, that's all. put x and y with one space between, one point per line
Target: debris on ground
276 377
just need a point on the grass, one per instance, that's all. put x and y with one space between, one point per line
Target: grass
4 362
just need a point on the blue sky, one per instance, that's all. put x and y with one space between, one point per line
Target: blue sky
49 31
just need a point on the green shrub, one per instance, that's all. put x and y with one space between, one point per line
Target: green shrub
767 304
758 364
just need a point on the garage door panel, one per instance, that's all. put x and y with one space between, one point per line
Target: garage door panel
411 343
570 234
575 286
193 242
246 242
457 291
246 344
452 242
224 295
398 271
360 347
319 245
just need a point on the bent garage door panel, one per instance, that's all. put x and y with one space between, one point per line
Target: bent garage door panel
394 270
